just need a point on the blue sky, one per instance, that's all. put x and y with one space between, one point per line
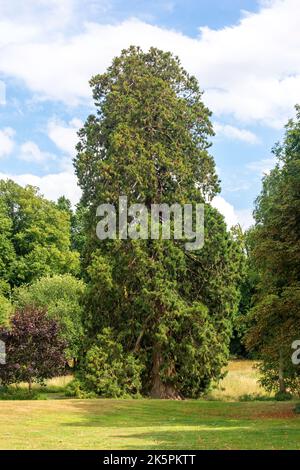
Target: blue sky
245 54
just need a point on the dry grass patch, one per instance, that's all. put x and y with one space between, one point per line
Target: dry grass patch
241 380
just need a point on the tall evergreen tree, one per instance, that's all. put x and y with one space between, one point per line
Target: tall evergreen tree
149 141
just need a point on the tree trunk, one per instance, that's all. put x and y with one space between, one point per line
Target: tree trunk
30 385
282 387
160 389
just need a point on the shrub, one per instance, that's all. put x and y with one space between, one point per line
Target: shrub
297 408
34 349
9 393
60 295
75 389
283 396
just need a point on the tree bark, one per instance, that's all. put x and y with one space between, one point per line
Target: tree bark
140 337
282 387
160 389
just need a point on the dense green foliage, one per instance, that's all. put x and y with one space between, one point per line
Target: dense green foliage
60 295
149 141
6 307
34 236
247 288
275 317
108 371
7 252
5 310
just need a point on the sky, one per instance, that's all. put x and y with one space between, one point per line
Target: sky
244 53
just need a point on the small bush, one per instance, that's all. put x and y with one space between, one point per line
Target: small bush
254 397
297 408
283 396
75 389
9 393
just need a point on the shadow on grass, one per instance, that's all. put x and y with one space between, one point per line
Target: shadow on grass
155 413
158 424
204 438
214 438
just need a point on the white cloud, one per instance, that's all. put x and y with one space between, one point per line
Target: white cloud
250 70
245 218
52 186
262 167
31 153
6 141
231 215
226 209
65 135
234 133
2 93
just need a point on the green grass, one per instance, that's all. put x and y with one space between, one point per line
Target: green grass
53 389
222 421
148 424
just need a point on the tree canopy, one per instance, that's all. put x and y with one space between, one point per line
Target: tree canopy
60 296
34 236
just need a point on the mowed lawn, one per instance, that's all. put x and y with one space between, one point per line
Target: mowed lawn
224 423
148 424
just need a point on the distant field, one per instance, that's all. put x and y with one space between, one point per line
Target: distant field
148 424
241 380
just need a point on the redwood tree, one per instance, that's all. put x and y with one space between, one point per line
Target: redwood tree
149 141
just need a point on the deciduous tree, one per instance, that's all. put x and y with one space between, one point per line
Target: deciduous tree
61 296
276 314
34 349
37 235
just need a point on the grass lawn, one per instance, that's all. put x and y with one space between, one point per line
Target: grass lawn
148 424
220 422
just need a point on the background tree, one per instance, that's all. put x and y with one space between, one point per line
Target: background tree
247 288
34 349
7 251
37 235
149 141
6 309
275 317
77 223
60 295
